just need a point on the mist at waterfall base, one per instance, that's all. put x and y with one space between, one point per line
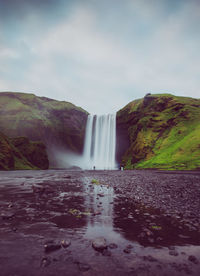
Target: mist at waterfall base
99 150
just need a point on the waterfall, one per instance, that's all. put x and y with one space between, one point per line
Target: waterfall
100 142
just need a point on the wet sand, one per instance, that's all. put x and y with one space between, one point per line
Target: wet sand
150 220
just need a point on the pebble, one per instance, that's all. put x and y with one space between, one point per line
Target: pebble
173 253
45 262
149 258
99 244
127 250
65 243
112 246
193 259
51 246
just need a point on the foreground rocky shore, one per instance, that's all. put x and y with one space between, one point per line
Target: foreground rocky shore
60 222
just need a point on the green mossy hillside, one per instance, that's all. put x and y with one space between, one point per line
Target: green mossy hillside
22 154
57 124
163 132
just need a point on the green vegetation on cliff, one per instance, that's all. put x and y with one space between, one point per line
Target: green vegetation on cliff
163 132
21 154
57 124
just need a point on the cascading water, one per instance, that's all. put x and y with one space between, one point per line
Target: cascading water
100 142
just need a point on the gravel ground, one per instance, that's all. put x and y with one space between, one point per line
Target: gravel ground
61 222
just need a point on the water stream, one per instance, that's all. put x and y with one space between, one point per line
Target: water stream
100 142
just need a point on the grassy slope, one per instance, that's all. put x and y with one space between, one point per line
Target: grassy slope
10 157
164 132
44 119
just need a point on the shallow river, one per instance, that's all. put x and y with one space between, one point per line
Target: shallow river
149 220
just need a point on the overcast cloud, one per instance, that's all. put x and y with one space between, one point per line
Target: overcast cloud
100 55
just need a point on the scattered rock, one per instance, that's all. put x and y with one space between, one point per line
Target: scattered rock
45 262
51 246
193 259
65 243
112 245
150 258
173 253
99 244
127 250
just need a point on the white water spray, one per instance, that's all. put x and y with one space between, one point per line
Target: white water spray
100 142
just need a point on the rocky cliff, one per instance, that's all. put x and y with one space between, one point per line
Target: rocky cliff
57 124
20 153
159 131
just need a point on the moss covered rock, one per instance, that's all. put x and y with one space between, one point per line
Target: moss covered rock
162 131
20 153
57 124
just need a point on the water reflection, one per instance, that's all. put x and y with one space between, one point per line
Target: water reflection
74 203
118 218
99 201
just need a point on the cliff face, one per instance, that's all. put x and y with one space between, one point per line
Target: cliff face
160 131
55 123
20 153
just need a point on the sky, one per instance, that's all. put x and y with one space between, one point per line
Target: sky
100 54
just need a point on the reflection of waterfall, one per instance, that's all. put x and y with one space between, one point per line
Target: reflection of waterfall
100 142
99 206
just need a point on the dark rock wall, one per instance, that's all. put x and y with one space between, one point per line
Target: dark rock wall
21 153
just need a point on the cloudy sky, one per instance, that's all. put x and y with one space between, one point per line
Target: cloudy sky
99 54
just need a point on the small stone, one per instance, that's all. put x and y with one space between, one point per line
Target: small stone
150 258
65 243
127 250
171 247
146 214
50 246
193 259
45 262
112 246
173 253
99 244
129 246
